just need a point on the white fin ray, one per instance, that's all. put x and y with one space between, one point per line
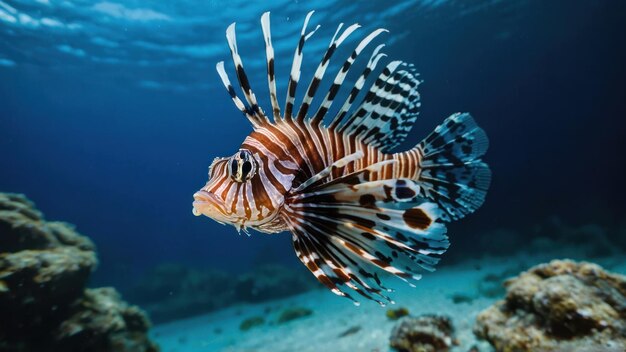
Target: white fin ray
389 110
371 66
231 91
269 53
341 75
294 76
321 68
254 108
355 224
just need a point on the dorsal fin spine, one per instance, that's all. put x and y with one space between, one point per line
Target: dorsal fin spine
294 76
321 69
233 95
254 107
269 53
341 75
371 65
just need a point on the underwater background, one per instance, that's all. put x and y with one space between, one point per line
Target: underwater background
111 112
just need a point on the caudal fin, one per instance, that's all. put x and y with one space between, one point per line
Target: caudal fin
452 173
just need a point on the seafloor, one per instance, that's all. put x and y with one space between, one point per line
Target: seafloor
526 301
460 292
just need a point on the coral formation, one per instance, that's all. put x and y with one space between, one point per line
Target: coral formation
426 333
395 314
173 291
44 305
559 306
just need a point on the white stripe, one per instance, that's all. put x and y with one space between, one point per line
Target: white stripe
269 53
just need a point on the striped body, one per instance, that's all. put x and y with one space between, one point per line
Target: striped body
314 149
355 210
289 159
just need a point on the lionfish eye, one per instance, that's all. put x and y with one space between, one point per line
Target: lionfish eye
242 166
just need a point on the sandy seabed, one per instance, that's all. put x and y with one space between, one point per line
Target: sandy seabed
333 315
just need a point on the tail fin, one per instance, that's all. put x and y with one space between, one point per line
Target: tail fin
452 173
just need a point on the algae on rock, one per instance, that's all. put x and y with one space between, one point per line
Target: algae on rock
44 267
426 333
559 306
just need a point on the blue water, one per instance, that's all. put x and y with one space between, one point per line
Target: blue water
110 112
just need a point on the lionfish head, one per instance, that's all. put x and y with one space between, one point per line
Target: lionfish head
234 193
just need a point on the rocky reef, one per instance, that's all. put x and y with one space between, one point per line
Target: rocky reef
559 306
173 291
426 333
44 267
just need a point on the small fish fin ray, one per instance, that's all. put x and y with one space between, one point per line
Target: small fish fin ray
348 234
452 173
389 110
251 108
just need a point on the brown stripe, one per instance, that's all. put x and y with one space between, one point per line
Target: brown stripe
268 172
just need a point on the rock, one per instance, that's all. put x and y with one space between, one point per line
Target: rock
44 267
293 313
23 227
251 323
350 331
426 333
395 314
559 306
56 276
101 321
459 298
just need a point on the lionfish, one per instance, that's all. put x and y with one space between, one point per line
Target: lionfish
355 209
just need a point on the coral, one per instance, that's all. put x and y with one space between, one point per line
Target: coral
395 314
251 323
426 333
44 267
293 313
173 291
559 306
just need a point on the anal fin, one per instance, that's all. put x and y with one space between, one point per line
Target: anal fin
349 230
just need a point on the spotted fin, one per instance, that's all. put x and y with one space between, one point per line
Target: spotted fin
350 231
452 173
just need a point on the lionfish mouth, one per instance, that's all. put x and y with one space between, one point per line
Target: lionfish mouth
206 203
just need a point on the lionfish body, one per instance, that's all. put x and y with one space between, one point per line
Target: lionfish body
355 209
